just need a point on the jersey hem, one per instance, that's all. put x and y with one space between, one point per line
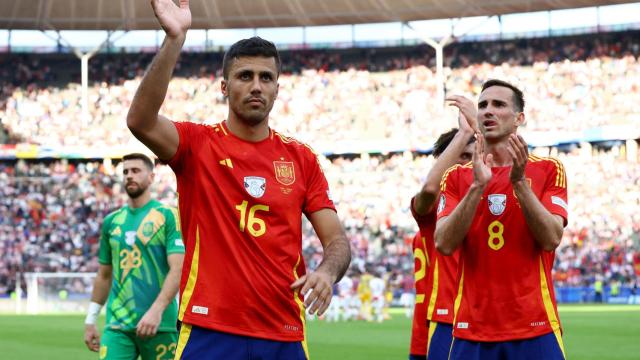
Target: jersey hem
441 321
132 330
244 332
502 338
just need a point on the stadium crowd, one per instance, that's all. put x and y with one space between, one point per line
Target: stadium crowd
327 94
50 215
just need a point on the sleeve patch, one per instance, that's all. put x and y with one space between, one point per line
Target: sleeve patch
560 202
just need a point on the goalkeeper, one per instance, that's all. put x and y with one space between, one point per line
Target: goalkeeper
141 253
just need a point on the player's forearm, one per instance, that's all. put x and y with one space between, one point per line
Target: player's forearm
336 258
544 226
101 287
169 290
451 231
150 95
426 198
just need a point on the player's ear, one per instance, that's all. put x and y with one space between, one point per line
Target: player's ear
520 119
224 88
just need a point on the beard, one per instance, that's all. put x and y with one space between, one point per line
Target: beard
252 118
249 115
136 191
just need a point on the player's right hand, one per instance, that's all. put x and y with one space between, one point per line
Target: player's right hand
175 20
91 337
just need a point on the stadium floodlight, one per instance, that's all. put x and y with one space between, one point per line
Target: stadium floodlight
439 46
84 66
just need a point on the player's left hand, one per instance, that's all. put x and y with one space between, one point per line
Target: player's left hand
468 119
148 325
316 287
519 152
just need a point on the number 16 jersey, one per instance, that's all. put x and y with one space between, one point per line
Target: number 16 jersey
241 206
505 289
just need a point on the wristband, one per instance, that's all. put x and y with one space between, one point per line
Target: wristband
93 313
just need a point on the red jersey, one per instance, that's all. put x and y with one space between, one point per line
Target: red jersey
241 206
505 289
442 273
419 330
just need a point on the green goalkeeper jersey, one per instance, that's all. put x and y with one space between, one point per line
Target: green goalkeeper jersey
137 242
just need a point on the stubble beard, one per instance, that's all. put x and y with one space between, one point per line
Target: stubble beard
135 193
253 117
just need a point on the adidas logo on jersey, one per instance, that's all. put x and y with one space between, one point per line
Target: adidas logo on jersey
202 310
226 162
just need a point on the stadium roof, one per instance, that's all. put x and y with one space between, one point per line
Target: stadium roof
217 14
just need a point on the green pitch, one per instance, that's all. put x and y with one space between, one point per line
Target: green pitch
591 332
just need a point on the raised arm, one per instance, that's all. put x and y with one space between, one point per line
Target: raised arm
547 228
426 198
451 230
155 131
335 261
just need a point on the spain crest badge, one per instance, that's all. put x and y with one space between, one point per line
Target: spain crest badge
285 173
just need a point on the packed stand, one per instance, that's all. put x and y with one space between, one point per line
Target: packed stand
51 213
328 96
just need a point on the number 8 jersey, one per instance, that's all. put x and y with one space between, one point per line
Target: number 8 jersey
505 289
241 206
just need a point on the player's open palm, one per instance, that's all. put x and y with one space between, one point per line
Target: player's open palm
468 119
519 152
91 337
481 164
174 19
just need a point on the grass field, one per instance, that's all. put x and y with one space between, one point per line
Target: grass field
610 332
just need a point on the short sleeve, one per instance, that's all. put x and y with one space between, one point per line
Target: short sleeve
174 244
317 195
554 196
449 194
189 135
104 254
420 219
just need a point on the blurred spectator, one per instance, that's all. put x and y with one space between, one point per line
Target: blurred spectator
334 95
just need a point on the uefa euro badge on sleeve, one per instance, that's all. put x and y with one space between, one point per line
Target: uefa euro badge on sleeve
497 203
255 185
441 204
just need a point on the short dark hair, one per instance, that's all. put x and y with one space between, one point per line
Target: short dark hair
518 96
139 156
255 46
444 140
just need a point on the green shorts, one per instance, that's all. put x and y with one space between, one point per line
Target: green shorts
125 345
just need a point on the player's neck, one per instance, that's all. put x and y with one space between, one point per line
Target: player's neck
140 201
500 153
244 131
